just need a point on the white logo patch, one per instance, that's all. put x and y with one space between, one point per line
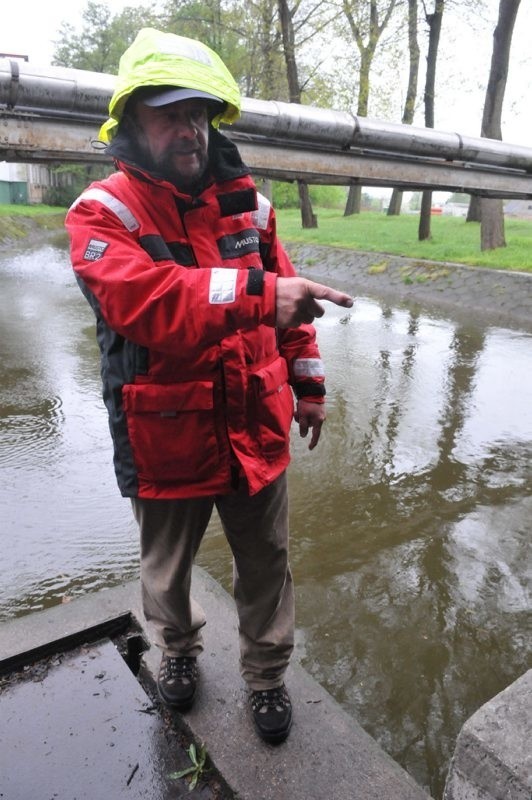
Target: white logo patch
247 240
261 216
95 250
222 288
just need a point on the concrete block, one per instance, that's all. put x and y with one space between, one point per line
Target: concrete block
493 754
83 728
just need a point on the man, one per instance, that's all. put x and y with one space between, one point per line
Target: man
204 331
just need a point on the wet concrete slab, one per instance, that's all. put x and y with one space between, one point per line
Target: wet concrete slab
79 726
328 755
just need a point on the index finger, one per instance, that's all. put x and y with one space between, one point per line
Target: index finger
322 292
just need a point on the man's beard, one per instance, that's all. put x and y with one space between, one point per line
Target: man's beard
166 168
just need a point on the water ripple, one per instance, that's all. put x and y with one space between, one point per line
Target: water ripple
24 433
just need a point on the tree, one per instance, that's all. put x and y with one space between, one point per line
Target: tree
367 21
489 210
221 26
434 21
103 37
394 207
286 14
266 75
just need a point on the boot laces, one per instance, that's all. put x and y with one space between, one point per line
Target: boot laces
182 668
266 700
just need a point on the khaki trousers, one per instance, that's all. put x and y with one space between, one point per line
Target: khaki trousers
257 531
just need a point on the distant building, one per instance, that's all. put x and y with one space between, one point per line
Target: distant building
455 209
13 183
521 209
28 184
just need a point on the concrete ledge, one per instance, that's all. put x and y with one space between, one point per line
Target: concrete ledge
493 755
327 754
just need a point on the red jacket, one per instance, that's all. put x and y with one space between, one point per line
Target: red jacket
195 375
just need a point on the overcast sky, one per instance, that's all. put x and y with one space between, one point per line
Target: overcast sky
464 60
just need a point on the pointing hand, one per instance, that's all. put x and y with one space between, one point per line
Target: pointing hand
296 301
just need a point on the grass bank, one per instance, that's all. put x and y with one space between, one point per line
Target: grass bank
452 239
20 222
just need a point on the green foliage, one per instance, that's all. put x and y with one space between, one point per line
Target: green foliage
26 211
285 195
213 23
459 197
19 221
453 240
196 769
246 37
72 180
103 37
62 196
328 196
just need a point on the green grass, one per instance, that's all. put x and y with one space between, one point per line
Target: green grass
452 239
18 222
29 211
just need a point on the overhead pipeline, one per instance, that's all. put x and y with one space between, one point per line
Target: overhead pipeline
80 94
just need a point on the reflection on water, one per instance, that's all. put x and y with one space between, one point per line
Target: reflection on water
410 521
411 527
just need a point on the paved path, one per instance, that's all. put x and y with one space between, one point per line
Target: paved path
486 296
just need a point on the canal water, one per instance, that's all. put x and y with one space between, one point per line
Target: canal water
410 521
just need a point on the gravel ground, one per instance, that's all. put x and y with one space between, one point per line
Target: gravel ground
486 296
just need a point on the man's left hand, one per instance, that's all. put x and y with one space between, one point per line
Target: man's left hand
310 416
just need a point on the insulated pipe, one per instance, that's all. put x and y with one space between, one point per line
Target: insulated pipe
79 94
296 123
428 142
338 129
56 90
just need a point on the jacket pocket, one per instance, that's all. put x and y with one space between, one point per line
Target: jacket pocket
274 407
172 430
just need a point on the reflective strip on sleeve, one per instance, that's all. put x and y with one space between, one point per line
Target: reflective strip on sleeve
222 288
261 216
113 204
309 368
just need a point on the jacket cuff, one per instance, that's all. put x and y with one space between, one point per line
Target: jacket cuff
318 400
255 282
308 390
269 298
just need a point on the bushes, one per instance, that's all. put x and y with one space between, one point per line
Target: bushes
285 195
69 180
62 196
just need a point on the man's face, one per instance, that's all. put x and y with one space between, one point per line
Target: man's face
176 137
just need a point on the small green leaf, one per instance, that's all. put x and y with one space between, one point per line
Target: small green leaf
197 768
181 774
202 757
192 754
